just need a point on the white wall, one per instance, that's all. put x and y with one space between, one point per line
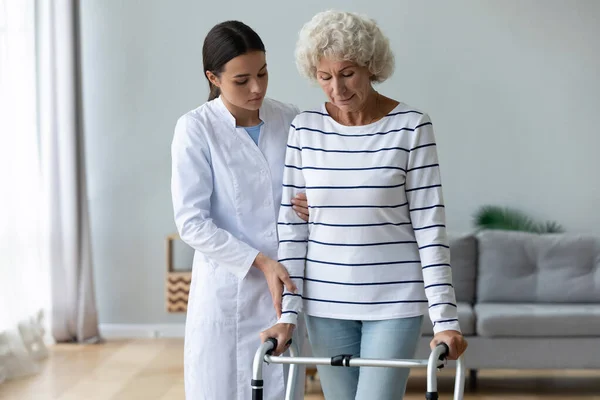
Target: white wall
511 86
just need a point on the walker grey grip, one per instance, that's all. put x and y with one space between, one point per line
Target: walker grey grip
446 352
274 341
341 360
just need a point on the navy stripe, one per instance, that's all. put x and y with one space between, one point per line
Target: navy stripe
365 303
289 312
315 112
361 206
361 244
345 225
434 245
297 187
361 284
353 151
422 125
404 112
363 265
423 167
346 187
422 146
292 241
422 188
438 284
344 169
426 208
294 147
445 320
388 115
291 294
430 226
442 304
292 259
436 265
303 128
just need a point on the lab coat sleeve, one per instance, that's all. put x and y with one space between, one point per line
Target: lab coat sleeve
191 190
293 231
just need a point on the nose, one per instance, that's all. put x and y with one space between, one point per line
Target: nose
339 88
255 86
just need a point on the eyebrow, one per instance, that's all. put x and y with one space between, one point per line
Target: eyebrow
341 70
244 75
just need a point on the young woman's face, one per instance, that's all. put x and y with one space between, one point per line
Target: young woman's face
244 80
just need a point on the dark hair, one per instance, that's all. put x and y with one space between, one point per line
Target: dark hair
224 42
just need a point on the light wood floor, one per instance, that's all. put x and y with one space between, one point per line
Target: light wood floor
151 369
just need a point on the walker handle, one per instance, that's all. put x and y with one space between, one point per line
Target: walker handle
446 352
274 341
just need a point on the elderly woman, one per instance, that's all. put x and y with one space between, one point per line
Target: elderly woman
374 255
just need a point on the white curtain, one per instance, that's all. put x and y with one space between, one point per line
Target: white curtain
74 316
24 275
46 277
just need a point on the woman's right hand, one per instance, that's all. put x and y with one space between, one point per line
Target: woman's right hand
282 332
300 206
277 276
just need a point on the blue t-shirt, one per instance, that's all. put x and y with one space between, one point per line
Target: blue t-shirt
254 131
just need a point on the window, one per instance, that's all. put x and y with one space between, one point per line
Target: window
21 287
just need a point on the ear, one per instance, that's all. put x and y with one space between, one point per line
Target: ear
212 78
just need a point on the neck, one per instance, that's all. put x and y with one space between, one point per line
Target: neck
368 113
243 117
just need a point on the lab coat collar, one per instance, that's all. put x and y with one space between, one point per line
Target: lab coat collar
230 118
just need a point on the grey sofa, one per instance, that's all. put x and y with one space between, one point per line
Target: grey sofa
526 300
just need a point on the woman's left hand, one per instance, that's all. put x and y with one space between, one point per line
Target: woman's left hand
300 206
455 341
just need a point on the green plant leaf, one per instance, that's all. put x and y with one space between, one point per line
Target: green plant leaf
504 218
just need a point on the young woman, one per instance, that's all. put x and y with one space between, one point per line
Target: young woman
227 165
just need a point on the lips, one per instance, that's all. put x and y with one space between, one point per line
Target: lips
255 99
345 100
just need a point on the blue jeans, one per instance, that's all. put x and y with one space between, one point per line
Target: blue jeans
394 338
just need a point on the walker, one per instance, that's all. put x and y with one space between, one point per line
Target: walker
437 360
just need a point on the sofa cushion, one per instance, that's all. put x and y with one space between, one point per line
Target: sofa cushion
517 267
463 258
538 320
466 319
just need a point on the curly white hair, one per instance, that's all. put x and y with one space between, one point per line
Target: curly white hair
344 36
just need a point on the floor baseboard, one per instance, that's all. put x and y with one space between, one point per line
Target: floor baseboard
137 331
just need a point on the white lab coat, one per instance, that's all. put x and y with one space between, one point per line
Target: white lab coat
226 195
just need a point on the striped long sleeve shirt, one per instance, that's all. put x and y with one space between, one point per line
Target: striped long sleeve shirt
375 246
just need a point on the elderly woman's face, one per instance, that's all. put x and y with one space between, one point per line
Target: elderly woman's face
346 84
